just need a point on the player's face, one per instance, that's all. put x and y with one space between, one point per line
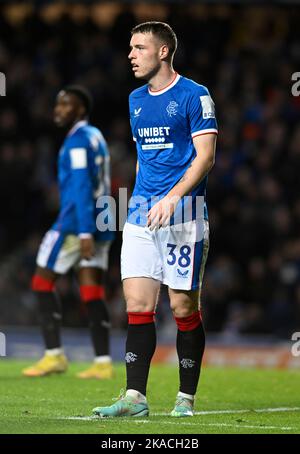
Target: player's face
67 109
144 55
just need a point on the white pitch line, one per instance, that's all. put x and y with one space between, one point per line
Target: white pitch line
207 412
203 413
246 410
182 422
216 424
81 418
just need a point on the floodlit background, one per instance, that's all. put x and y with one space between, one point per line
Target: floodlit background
246 55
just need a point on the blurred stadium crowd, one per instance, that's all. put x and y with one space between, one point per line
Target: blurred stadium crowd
246 56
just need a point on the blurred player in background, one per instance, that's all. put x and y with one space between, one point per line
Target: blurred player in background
174 126
73 240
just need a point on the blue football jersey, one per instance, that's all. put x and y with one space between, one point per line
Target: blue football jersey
83 176
163 125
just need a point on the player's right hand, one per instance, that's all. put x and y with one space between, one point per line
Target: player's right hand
87 248
160 214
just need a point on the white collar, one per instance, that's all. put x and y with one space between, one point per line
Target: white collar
168 87
76 126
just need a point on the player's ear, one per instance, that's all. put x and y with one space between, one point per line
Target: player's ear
82 110
164 52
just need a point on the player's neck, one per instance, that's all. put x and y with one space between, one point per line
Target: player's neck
77 124
162 79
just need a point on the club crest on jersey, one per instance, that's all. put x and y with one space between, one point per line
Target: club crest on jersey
172 108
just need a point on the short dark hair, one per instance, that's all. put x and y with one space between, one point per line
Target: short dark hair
83 94
162 30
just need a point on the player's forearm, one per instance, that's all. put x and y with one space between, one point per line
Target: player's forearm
85 213
198 169
85 219
83 199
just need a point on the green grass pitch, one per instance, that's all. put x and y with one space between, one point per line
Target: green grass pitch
228 401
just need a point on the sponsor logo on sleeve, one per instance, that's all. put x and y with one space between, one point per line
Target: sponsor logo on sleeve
208 107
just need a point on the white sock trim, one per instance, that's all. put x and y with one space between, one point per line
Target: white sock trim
102 359
186 396
54 351
136 395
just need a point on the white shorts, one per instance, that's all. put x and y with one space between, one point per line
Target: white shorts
60 252
169 255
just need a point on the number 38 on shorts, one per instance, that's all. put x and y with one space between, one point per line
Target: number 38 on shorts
175 256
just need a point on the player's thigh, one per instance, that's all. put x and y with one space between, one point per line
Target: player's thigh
139 255
141 294
58 252
184 302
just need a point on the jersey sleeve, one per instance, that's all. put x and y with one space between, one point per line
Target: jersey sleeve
201 113
82 188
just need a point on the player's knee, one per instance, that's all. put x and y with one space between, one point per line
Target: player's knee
184 304
134 304
183 308
179 311
42 284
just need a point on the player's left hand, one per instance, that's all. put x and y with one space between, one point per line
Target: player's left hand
159 215
87 248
